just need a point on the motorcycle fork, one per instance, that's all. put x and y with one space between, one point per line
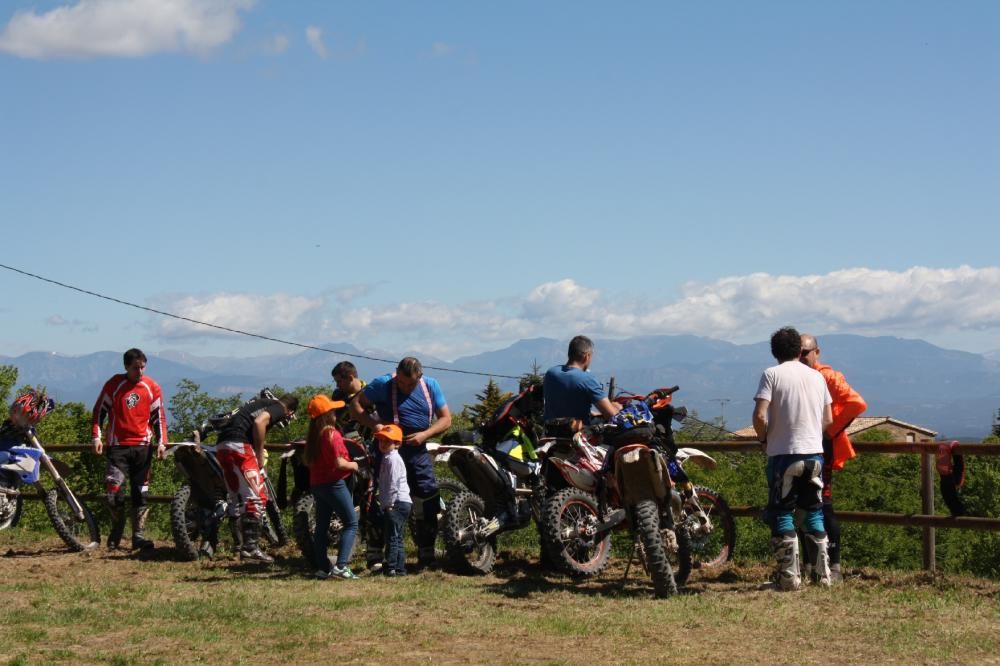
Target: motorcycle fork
74 504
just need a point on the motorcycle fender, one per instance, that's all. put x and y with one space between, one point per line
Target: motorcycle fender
480 473
695 456
61 467
641 476
575 476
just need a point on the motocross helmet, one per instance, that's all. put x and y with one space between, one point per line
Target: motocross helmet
29 407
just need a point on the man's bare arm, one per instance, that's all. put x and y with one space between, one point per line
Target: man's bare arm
760 418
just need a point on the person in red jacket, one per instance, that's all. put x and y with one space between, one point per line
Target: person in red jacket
132 404
837 449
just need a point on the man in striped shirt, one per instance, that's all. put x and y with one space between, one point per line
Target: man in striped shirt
132 405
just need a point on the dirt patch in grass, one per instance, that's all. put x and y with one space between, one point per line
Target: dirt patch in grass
115 608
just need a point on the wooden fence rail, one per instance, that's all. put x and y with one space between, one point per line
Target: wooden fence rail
926 520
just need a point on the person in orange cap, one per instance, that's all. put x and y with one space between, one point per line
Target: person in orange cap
393 497
329 466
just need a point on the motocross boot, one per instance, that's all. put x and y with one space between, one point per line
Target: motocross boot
117 527
236 532
139 540
816 547
786 552
251 541
808 557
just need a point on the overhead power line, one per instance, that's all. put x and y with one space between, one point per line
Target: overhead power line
237 331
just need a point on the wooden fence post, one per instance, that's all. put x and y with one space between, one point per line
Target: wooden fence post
927 468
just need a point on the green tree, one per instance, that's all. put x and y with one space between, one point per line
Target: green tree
190 406
693 429
8 378
490 400
533 376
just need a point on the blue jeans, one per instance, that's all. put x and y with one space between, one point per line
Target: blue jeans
392 524
332 497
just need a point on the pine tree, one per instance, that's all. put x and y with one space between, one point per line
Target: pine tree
489 401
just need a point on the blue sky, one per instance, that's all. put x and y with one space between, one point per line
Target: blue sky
450 177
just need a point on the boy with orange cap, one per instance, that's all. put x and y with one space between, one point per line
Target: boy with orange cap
393 497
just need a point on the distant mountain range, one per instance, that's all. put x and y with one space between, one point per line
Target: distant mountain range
955 393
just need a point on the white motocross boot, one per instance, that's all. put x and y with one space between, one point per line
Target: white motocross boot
820 559
786 552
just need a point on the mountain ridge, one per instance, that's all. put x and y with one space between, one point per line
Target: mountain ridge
953 392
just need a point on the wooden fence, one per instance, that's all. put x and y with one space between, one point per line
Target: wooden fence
927 520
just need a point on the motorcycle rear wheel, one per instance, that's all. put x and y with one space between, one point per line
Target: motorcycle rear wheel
717 548
647 526
469 555
77 534
580 556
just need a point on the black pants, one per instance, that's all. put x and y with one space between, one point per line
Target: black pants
130 463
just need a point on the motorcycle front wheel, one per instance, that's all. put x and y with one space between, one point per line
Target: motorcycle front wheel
447 490
10 505
184 523
568 519
76 533
272 527
717 547
466 551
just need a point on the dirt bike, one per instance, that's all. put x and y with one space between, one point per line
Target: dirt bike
199 507
612 477
363 488
72 520
502 472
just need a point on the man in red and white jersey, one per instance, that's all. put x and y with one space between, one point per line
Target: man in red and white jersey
133 406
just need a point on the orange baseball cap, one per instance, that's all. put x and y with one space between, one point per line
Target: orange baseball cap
391 432
320 404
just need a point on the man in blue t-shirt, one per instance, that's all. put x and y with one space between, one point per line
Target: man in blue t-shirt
417 405
570 390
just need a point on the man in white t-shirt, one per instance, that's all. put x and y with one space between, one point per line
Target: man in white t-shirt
792 410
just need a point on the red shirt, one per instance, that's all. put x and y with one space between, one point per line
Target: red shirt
331 447
134 411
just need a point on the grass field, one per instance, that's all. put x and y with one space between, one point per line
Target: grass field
98 607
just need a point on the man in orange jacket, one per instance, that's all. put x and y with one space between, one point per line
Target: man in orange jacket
847 405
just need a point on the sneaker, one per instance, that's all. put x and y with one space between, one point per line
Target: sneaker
322 575
141 543
206 551
392 573
376 566
343 572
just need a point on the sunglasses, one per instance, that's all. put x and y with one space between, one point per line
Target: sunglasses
806 352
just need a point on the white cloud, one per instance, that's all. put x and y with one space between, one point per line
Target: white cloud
272 315
920 302
278 44
56 320
441 49
314 37
123 28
